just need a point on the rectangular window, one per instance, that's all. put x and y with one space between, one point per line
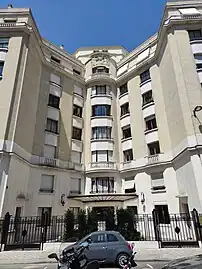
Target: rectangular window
75 186
102 156
77 111
123 88
52 126
150 123
42 211
76 133
100 90
102 185
195 34
125 109
128 155
154 148
199 66
49 151
54 59
145 76
1 69
100 69
4 43
47 183
54 101
101 110
101 132
126 132
157 181
147 98
163 214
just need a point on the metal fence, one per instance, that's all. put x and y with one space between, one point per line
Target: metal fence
177 230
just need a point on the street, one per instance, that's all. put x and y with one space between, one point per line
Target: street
140 265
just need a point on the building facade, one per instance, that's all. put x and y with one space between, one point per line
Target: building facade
103 127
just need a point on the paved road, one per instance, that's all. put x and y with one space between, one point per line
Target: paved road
141 265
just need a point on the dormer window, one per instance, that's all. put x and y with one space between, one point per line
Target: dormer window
54 59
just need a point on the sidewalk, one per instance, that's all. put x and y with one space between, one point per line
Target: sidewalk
164 255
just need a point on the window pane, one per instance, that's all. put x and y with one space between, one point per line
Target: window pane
111 238
54 101
47 182
1 68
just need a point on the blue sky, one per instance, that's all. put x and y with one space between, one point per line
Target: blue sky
81 23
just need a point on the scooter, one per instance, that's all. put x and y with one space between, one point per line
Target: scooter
130 263
74 258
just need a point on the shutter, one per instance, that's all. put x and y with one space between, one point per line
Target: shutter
76 157
78 90
102 156
55 79
49 151
47 182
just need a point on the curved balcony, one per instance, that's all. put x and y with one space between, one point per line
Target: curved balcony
101 166
51 139
199 71
151 136
196 46
127 143
78 100
146 86
125 120
98 77
97 121
123 98
102 144
101 99
148 109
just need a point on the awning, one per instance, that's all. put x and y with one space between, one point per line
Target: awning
103 197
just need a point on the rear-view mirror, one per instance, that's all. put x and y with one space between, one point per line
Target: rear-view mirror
53 256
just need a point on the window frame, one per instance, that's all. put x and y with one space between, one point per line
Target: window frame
194 36
126 132
162 219
123 89
74 131
77 111
51 190
52 101
147 99
158 150
125 109
110 183
145 76
101 111
126 153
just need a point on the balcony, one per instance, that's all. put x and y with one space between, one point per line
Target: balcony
77 145
152 159
46 161
53 113
101 99
102 166
51 139
3 52
77 122
55 89
102 191
151 135
127 143
97 121
146 86
97 77
125 120
123 98
78 100
148 109
102 144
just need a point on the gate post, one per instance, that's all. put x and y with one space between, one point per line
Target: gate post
4 235
156 227
197 226
44 226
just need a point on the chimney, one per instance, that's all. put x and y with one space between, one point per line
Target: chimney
62 47
10 6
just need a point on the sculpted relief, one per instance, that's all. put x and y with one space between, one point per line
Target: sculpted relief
100 61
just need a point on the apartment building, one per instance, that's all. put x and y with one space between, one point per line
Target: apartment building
103 127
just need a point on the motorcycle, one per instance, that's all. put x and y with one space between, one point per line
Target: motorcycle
74 258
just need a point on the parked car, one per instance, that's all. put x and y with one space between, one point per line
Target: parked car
107 247
194 262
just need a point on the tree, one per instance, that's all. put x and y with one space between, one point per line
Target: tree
110 219
82 223
91 221
126 225
69 222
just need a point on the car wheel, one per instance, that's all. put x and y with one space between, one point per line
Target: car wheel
122 259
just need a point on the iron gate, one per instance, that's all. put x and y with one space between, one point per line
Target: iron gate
24 232
178 230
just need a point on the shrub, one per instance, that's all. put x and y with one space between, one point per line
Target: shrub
110 219
91 221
